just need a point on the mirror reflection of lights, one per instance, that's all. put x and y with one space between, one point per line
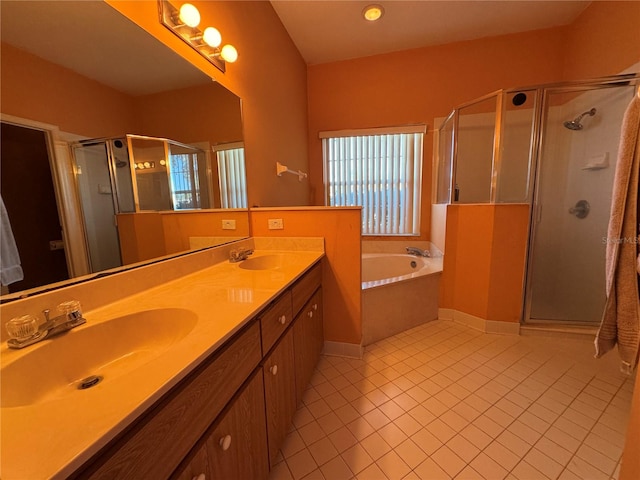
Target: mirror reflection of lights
372 13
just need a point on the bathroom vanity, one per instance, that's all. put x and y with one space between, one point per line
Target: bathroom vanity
222 411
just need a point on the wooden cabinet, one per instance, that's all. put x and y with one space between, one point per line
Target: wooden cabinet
156 444
279 392
235 447
229 417
308 341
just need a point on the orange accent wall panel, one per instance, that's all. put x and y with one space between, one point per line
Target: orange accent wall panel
341 280
484 263
141 236
179 226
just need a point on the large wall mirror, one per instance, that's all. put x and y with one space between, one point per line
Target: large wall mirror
83 88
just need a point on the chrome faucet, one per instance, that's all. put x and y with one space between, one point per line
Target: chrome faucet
418 252
239 255
25 331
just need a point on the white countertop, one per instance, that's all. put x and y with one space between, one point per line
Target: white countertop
54 437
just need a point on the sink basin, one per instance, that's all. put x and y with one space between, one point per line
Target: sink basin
265 262
55 368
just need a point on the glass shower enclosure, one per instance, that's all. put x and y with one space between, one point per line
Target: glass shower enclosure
553 147
132 174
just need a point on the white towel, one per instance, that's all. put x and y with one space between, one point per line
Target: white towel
10 269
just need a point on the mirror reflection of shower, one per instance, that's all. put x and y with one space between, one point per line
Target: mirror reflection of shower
575 123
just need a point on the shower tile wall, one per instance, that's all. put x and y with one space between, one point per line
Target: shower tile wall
568 271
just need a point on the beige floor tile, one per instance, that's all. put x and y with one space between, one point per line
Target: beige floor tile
330 423
347 414
524 471
280 472
376 418
502 455
487 467
603 446
428 442
292 444
597 459
411 453
301 464
430 470
448 461
342 439
360 429
463 448
476 436
336 469
372 472
543 463
525 432
336 400
554 451
585 470
392 434
322 451
469 473
391 409
362 405
319 408
393 466
375 446
357 458
315 475
311 433
407 424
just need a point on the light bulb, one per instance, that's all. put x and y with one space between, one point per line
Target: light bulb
189 15
229 53
212 37
373 12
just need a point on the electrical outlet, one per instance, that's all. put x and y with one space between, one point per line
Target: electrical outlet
275 224
228 224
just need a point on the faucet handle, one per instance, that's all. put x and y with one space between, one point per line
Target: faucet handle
22 328
71 309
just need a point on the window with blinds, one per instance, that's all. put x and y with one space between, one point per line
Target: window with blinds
231 176
380 170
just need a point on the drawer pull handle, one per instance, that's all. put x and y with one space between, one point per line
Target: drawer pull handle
274 369
199 477
282 319
225 443
315 306
310 314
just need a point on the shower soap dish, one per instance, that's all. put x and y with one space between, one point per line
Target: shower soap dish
597 162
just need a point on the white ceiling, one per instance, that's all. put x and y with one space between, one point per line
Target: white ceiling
93 39
331 30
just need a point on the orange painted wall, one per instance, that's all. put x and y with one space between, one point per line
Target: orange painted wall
603 40
271 78
341 281
414 86
484 263
141 237
35 89
195 114
179 226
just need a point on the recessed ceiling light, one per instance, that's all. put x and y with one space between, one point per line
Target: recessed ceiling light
372 12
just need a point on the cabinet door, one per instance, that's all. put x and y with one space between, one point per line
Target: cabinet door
236 448
279 392
308 342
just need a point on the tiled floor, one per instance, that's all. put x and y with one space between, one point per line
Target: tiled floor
444 401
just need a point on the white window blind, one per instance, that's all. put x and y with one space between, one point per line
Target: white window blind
382 172
232 179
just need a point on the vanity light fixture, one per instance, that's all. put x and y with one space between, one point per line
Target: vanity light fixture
184 21
372 13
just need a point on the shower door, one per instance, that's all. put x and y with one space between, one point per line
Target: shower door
575 171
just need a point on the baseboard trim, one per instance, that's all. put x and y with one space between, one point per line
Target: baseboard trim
342 349
477 323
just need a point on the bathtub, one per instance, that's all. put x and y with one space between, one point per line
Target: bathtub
399 292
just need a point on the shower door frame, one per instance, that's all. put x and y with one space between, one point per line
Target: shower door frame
544 92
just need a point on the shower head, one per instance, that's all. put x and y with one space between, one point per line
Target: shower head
575 123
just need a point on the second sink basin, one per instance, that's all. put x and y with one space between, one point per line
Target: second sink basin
264 262
55 368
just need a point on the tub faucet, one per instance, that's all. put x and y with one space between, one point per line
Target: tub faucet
239 255
25 331
418 252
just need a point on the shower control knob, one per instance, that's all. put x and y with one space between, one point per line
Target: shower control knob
580 209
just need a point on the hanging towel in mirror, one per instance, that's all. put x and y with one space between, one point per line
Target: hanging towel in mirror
10 269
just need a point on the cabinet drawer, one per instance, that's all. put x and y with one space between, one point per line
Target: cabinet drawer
304 287
156 444
275 320
236 446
